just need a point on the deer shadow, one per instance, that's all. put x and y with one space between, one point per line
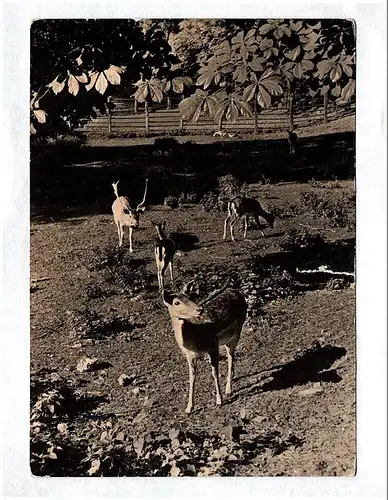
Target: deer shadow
313 365
184 241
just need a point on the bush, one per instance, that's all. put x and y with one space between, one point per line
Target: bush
166 144
171 201
341 212
211 202
294 240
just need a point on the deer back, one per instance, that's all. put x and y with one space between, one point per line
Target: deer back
123 213
221 320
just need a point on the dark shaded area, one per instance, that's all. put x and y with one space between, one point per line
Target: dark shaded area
75 182
308 367
337 255
184 241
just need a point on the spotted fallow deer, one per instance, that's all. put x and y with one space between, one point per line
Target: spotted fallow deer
201 329
239 208
125 215
164 250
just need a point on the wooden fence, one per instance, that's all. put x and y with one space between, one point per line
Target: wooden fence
127 116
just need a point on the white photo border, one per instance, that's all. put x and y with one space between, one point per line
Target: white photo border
371 181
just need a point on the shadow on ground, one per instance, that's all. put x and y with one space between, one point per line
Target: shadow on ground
70 183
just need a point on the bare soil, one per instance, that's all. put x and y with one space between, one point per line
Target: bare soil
292 411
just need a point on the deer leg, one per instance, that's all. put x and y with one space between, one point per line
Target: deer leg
130 239
232 224
230 348
192 362
226 225
257 220
119 232
214 356
161 279
245 226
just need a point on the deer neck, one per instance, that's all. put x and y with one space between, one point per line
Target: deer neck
161 233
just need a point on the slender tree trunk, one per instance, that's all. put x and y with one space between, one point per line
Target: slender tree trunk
291 108
147 117
168 103
256 115
220 125
109 115
325 103
135 107
181 120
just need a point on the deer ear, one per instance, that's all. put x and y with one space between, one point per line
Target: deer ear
167 298
188 287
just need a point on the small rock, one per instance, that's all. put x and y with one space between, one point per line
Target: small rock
311 391
162 439
191 468
62 428
243 414
148 402
54 377
138 445
259 419
86 364
175 471
173 433
175 443
125 380
139 417
136 391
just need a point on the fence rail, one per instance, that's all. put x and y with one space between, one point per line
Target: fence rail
126 116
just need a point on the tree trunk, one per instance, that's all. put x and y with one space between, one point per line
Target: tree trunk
325 103
109 115
168 103
181 120
147 117
256 115
135 107
220 125
291 108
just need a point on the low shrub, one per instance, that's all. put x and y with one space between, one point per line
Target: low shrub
212 202
171 201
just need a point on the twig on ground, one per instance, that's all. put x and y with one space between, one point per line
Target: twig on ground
36 280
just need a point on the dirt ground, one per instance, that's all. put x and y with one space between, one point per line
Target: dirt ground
292 411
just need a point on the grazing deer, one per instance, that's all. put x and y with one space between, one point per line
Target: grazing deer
164 253
124 215
201 329
292 138
240 207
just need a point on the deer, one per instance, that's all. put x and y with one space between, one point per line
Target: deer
125 215
164 250
292 138
200 329
239 208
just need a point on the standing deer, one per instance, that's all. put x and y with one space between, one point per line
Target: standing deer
240 207
124 215
164 250
201 329
292 138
